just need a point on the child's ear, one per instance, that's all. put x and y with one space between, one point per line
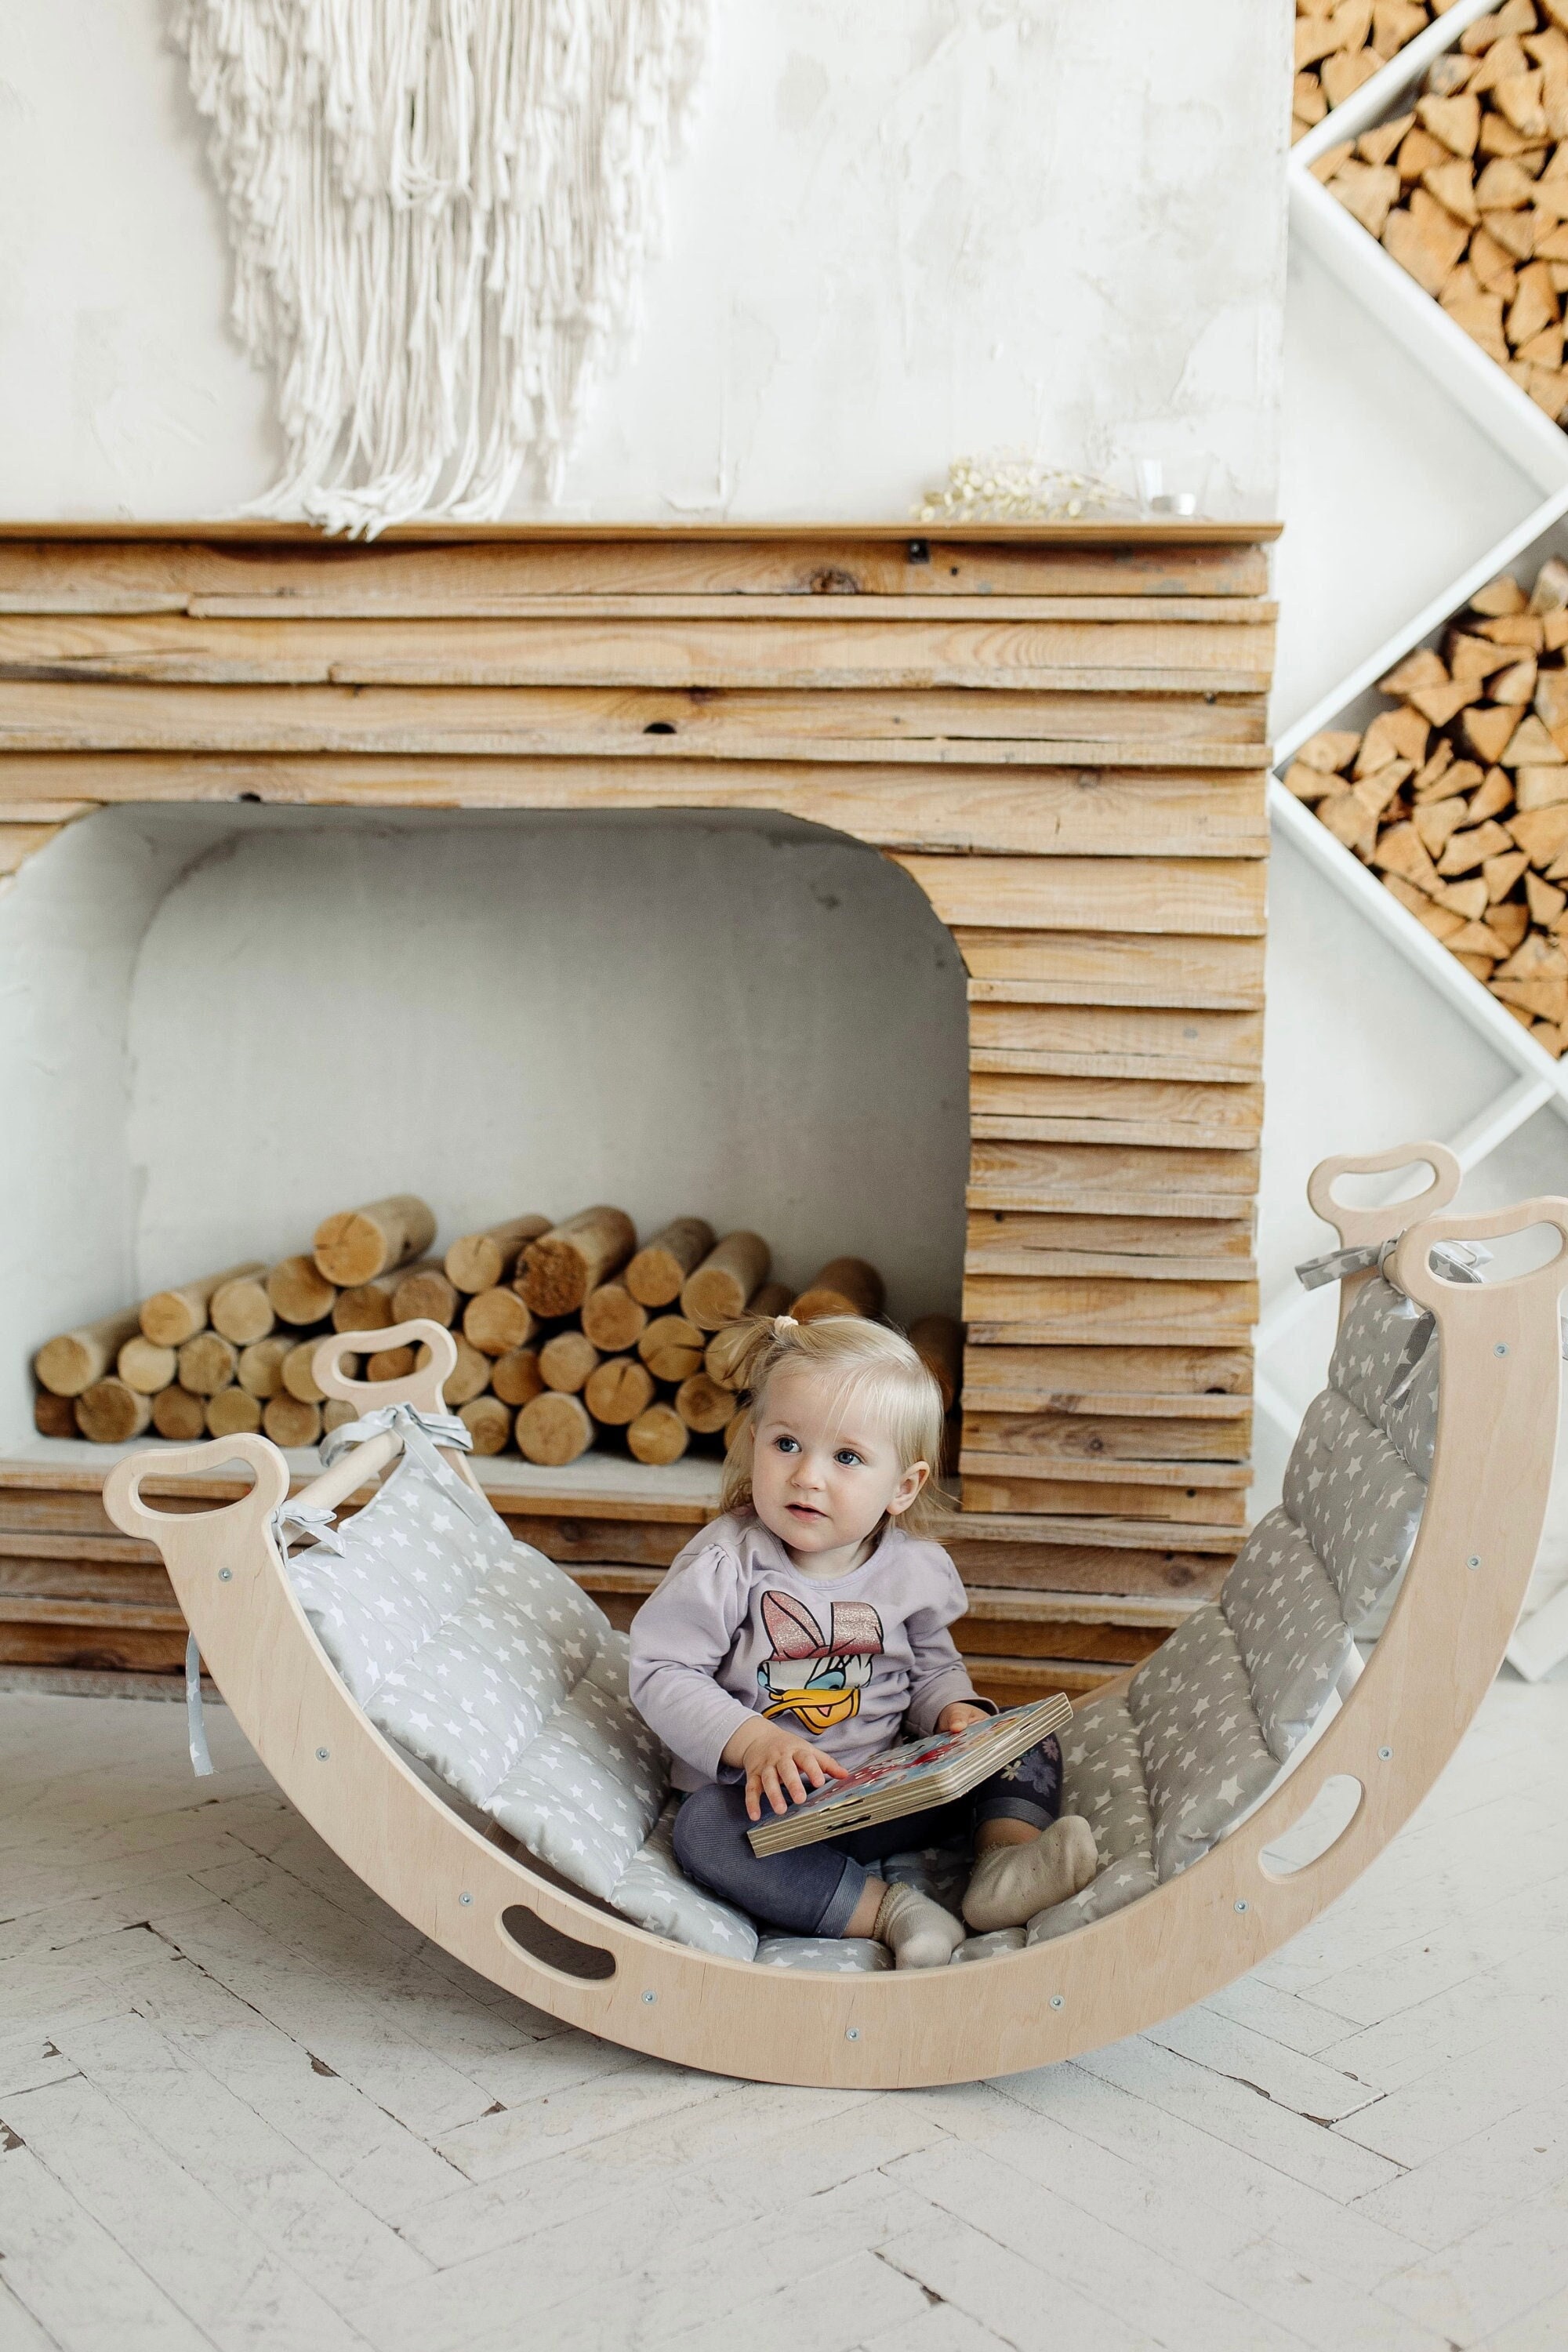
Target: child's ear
908 1487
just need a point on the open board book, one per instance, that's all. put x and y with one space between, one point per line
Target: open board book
907 1780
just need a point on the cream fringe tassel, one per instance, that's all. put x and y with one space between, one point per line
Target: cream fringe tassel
440 210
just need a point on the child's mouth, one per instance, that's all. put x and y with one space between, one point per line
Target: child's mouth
806 1511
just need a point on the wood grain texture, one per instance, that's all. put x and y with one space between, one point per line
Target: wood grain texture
1058 733
1219 898
1132 1497
1110 968
1017 1309
1098 1177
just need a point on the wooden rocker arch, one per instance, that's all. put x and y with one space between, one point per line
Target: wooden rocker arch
1443 1645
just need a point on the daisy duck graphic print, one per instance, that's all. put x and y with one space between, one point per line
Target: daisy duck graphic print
817 1678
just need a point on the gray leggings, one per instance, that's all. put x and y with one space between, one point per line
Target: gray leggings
814 1890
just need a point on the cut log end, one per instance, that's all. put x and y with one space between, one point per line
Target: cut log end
242 1311
845 1286
145 1366
288 1421
299 1293
703 1405
481 1261
656 1273
618 1391
657 1435
516 1376
612 1319
555 1429
233 1412
69 1365
566 1362
207 1363
717 1292
108 1412
170 1318
356 1245
564 1264
672 1347
179 1416
497 1321
487 1422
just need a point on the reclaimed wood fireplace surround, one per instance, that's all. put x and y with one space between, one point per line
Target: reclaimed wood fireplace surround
1058 731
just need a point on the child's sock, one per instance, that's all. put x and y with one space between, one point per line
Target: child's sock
1010 1883
918 1932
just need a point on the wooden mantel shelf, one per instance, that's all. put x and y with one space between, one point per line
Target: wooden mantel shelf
1055 730
1158 530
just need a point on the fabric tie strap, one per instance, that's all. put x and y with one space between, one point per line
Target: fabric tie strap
1456 1262
421 1434
196 1721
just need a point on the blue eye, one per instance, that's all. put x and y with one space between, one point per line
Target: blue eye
846 1453
787 1445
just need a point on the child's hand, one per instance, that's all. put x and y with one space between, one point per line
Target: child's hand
778 1765
960 1714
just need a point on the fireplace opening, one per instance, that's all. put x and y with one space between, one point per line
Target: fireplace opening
223 1022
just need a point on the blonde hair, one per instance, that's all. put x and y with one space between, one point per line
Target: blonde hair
870 1362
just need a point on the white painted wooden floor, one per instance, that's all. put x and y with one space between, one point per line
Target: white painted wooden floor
245 2106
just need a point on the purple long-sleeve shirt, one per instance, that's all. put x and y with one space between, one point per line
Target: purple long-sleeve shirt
736 1629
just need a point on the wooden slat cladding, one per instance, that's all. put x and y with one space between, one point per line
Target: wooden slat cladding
457 572
937 727
1071 1438
1075 966
1042 812
1058 734
1095 1176
1119 656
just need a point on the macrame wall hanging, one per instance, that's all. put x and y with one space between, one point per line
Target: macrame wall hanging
440 210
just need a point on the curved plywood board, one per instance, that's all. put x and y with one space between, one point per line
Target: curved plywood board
1443 1642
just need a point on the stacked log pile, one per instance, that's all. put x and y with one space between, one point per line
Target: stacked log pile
568 1335
1339 46
1457 798
1468 191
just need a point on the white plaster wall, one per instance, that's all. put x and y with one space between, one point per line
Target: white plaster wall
903 231
224 1024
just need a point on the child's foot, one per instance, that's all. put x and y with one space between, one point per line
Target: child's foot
1010 1883
918 1932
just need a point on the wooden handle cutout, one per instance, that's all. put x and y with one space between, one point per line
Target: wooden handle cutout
1420 1280
122 1488
1358 1225
422 1389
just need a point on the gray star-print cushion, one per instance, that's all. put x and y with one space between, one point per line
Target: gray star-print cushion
990 1946
489 1665
1371 1347
1208 1723
654 1892
827 1955
1102 1779
1288 1627
1355 1499
1205 1756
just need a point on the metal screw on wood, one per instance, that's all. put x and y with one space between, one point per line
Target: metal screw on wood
1384 1754
1055 2001
1241 1903
1500 1349
1474 1560
322 1754
852 2033
649 1998
225 1576
465 1898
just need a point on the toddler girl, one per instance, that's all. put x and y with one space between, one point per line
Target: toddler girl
805 1632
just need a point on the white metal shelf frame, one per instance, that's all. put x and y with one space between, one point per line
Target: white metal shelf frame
1510 420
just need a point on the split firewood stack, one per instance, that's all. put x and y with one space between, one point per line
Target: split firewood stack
1457 799
1468 191
568 1335
1339 47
